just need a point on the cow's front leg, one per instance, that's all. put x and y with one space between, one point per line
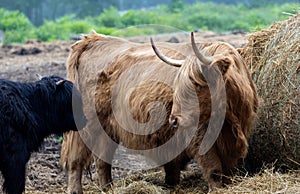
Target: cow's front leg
211 168
13 172
172 170
103 162
104 172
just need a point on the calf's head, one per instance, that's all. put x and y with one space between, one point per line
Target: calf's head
61 104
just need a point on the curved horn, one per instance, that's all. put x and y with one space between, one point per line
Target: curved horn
173 62
39 77
204 59
60 82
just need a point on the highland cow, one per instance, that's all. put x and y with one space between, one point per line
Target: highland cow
29 112
136 97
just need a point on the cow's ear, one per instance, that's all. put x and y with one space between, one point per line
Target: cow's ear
102 77
240 50
223 64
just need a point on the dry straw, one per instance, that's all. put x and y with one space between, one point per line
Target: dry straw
273 56
152 182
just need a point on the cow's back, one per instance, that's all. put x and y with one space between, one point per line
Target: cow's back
127 86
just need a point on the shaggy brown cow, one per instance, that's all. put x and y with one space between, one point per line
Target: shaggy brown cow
128 96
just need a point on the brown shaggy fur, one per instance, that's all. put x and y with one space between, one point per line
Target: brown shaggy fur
106 70
242 103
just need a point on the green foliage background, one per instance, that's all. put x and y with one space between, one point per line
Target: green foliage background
206 16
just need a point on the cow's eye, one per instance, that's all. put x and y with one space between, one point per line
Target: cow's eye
192 80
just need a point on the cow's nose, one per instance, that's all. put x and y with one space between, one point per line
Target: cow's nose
173 121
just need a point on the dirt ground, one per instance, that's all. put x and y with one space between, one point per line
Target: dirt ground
22 62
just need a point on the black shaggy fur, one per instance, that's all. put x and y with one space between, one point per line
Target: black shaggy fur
29 112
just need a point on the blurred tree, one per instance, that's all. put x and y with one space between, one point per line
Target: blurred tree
176 5
39 10
31 8
91 7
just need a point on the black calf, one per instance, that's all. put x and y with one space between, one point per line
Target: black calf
29 112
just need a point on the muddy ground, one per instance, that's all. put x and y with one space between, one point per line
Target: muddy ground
22 62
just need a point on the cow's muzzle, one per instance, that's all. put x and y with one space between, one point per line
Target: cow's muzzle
173 120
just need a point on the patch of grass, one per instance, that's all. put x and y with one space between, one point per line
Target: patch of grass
204 16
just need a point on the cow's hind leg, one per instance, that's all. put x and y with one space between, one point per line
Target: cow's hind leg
74 179
75 156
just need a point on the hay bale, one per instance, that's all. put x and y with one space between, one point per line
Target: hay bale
273 56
